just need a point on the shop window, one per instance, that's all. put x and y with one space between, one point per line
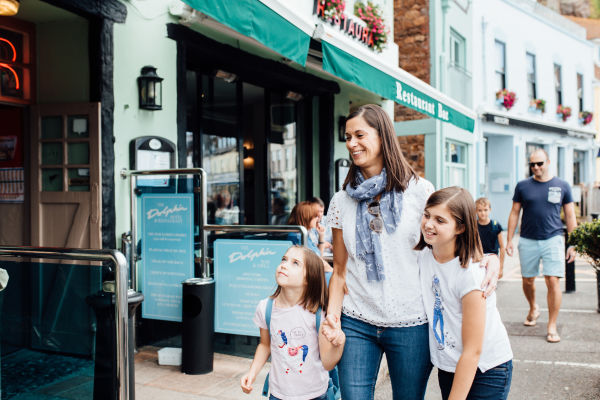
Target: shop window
456 164
578 167
16 62
500 65
531 76
560 162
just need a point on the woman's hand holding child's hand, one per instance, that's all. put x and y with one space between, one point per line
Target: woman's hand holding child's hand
332 329
246 383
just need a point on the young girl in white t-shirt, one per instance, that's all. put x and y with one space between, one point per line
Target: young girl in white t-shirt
471 364
300 356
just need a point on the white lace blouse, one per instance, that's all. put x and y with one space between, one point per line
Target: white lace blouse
395 301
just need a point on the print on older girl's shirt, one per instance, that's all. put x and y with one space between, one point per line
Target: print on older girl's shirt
442 337
292 348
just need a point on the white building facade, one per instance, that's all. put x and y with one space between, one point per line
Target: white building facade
526 48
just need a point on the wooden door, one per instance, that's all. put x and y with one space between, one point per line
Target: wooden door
65 212
65 176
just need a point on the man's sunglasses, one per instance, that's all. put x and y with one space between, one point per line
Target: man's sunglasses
539 164
376 224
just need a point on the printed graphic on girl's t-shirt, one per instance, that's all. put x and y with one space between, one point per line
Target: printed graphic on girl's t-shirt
294 357
443 338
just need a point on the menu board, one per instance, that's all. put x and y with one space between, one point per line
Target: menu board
244 275
167 242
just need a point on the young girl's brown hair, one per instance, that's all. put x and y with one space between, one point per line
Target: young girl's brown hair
462 208
315 292
303 213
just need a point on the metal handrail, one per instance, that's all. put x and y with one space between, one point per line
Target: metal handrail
121 317
133 205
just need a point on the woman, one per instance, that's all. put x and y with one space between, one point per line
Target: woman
376 224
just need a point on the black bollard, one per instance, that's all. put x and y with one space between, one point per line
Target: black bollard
105 361
569 269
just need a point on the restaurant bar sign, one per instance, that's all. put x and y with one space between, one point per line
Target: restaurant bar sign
345 23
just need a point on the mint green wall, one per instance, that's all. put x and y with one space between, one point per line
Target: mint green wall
141 40
63 71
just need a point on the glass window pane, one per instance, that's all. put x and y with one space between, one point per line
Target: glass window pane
77 126
220 155
52 180
283 173
52 153
78 153
79 179
51 127
500 56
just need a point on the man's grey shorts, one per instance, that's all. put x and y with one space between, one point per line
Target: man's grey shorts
551 251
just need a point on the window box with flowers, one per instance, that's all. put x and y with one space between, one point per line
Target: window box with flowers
563 112
506 99
372 15
585 117
537 106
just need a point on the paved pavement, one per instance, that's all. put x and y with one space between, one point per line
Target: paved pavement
566 370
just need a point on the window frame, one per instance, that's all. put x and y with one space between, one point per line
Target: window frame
558 84
457 39
501 73
580 86
531 76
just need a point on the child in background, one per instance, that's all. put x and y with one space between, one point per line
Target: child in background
321 234
300 356
470 364
490 231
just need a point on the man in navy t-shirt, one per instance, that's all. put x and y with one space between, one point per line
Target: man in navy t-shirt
541 198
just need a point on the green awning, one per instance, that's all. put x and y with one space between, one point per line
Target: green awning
391 85
254 19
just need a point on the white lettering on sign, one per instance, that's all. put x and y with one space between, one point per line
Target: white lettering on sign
155 212
251 255
443 114
415 101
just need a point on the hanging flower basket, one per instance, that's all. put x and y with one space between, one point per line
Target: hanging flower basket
563 112
585 117
372 15
506 99
333 8
537 106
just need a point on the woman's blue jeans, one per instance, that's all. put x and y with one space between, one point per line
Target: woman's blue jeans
493 384
407 353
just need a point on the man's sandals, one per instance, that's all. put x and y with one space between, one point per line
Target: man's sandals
533 320
552 337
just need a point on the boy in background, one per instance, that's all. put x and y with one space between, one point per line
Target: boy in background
490 231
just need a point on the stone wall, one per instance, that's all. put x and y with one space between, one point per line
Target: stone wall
411 34
413 149
576 8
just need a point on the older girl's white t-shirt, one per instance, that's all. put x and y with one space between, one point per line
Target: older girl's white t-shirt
296 369
444 286
395 301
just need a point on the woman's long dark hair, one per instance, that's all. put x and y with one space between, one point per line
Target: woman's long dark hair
462 207
315 293
399 172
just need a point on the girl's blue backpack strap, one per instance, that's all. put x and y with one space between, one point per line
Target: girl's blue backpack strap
268 311
318 319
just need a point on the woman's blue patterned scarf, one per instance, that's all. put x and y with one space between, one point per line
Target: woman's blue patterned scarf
368 244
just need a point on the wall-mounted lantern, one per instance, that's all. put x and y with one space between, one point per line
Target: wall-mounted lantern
150 89
9 7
